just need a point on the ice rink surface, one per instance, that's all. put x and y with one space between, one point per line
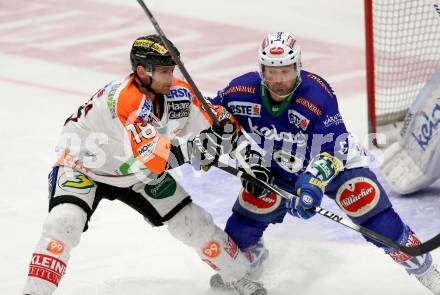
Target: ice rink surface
55 54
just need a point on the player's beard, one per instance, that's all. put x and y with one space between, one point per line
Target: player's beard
165 89
281 90
161 88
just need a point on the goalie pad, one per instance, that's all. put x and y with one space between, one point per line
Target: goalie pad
412 163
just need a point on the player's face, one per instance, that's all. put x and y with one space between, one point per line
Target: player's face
280 80
162 79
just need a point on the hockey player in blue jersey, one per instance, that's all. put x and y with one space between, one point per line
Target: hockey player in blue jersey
302 146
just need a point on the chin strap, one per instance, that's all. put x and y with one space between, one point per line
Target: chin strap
159 97
138 83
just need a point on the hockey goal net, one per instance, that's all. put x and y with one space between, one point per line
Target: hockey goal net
403 52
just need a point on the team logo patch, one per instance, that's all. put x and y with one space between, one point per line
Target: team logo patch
112 101
401 257
47 268
55 247
308 200
163 187
326 165
145 109
426 126
321 83
179 92
261 205
358 196
231 248
75 182
245 108
245 89
299 120
159 48
309 105
212 249
147 149
178 109
276 51
333 120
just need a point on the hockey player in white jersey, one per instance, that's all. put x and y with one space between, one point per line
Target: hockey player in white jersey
119 145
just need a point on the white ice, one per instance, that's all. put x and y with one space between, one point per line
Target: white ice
49 65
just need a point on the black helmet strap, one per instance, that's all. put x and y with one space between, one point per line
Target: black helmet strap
139 83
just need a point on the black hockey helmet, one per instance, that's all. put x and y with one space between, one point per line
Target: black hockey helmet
150 51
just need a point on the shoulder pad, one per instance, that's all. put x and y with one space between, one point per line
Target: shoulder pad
321 82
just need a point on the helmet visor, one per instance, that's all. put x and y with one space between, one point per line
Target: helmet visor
280 80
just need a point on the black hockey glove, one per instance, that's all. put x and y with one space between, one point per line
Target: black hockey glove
255 163
213 142
179 153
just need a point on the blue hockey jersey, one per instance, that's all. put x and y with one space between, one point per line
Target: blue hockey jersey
294 133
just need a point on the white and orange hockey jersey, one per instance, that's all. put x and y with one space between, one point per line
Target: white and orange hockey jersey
115 138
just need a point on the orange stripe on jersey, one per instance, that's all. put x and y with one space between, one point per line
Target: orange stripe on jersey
128 104
147 144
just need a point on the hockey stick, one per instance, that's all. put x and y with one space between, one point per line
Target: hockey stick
413 251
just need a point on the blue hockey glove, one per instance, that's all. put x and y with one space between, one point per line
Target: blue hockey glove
310 191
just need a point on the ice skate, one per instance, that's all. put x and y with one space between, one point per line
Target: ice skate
256 255
244 286
218 284
431 280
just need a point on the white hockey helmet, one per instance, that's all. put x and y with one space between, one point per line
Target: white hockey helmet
279 49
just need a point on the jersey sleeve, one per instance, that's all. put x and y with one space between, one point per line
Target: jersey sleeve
330 134
331 125
221 99
218 99
147 145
